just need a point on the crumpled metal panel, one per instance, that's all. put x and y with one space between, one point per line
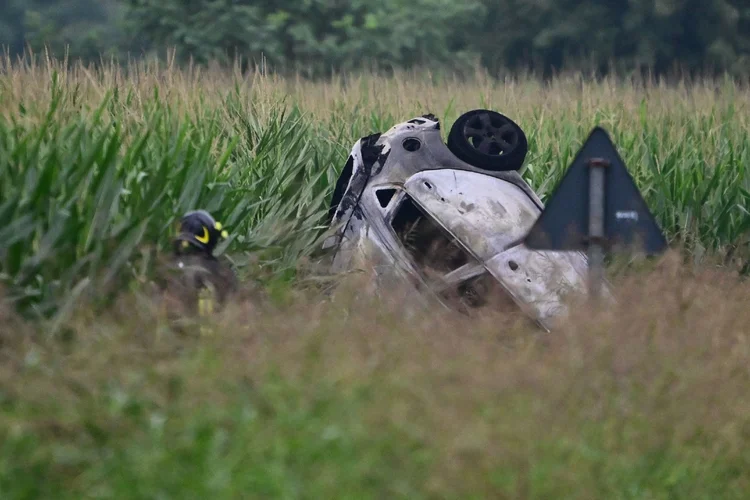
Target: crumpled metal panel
489 213
490 217
485 213
539 282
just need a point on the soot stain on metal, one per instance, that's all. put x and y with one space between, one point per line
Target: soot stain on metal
382 158
466 207
443 249
339 189
498 208
370 153
433 118
370 150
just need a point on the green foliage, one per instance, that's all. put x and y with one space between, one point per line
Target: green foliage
342 399
81 29
11 23
316 36
698 186
323 399
660 36
86 197
547 35
95 168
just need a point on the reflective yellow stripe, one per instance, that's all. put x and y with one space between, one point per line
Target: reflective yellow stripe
204 238
206 307
205 303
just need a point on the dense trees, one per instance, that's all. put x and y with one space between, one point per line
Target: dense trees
322 35
87 29
701 35
317 35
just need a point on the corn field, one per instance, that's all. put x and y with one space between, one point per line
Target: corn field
298 394
96 164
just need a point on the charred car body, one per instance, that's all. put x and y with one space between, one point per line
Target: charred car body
449 218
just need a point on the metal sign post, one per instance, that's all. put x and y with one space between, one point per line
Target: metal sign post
596 207
597 178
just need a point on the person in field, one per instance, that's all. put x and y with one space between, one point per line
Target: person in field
197 281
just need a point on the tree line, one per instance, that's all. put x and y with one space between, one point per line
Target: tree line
321 36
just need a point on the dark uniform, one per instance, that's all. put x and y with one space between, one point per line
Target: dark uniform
196 279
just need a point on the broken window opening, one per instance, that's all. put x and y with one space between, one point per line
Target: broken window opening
459 278
431 249
385 196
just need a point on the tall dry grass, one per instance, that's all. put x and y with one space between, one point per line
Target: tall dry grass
302 394
357 397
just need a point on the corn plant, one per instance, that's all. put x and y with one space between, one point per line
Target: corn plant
96 165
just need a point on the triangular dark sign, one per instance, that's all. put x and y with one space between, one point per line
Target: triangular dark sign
628 222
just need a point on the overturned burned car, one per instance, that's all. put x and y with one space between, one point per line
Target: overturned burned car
449 218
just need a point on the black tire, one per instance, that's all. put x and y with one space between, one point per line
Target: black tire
488 140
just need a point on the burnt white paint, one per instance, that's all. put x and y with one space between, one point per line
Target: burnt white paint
488 213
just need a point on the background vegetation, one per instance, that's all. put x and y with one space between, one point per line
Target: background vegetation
298 390
96 165
344 398
320 36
